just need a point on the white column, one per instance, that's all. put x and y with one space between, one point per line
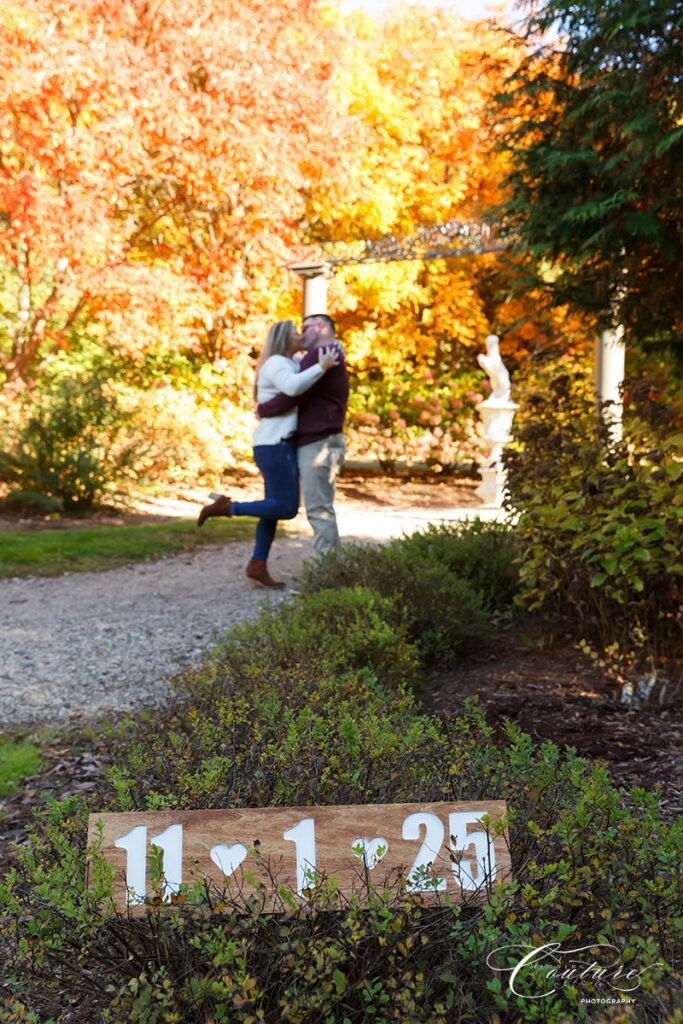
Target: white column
610 359
315 277
315 295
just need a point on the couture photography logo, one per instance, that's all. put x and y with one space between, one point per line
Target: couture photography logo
536 972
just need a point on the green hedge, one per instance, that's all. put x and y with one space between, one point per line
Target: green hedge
348 629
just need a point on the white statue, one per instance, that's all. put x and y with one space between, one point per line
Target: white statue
497 413
495 368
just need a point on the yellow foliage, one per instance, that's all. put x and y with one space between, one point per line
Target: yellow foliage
184 439
420 85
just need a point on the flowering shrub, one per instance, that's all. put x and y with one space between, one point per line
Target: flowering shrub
187 440
415 418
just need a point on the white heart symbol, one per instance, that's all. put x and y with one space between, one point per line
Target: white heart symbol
228 858
370 851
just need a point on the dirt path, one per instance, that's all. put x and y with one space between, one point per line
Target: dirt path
83 643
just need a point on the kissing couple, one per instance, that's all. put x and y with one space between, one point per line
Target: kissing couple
301 405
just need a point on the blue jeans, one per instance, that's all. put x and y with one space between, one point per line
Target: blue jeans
278 465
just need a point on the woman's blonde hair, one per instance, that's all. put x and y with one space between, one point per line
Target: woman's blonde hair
276 342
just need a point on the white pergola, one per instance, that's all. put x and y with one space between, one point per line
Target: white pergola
454 239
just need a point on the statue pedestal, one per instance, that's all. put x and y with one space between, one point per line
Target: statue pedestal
497 415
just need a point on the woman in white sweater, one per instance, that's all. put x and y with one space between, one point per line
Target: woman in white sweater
274 446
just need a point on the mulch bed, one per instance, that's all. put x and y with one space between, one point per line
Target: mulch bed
555 694
375 490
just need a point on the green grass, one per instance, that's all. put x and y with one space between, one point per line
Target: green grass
17 760
53 551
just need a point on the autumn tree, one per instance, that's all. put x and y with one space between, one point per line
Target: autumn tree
417 86
420 85
161 164
152 165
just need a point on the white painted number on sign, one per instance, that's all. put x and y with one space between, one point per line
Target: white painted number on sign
473 871
170 842
303 837
472 854
135 845
420 878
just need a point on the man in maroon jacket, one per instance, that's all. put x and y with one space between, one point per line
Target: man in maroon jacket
320 438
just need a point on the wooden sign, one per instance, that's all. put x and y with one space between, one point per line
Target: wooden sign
433 849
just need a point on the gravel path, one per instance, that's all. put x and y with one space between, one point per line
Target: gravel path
83 643
89 641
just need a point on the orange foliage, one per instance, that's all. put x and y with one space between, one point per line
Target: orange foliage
153 162
161 164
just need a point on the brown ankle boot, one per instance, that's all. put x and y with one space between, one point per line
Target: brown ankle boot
258 576
222 506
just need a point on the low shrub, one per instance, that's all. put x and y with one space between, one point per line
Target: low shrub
587 870
65 448
311 705
440 611
268 749
482 553
333 631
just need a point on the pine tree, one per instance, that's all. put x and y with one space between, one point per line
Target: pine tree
596 179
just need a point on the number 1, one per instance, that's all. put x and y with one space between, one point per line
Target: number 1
303 837
135 845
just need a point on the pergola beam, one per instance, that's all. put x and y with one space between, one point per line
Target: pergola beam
440 241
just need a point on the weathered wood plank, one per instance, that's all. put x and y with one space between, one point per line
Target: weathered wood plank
433 849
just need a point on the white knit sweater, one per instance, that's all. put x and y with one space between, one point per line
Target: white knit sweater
281 375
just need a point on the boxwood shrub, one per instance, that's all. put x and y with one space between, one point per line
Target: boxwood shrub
334 631
483 554
441 612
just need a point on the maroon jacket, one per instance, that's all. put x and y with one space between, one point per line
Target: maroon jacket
322 409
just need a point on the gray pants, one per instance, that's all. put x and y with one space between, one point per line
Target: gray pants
319 465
